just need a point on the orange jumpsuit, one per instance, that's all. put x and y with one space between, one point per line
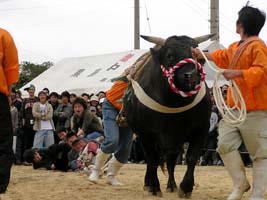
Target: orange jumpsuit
9 72
253 63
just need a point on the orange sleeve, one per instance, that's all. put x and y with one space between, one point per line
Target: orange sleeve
10 60
222 57
256 74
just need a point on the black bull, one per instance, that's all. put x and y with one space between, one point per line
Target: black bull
163 135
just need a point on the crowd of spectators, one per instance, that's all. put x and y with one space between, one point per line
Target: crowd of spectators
54 130
64 131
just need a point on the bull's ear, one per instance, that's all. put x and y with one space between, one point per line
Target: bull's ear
204 38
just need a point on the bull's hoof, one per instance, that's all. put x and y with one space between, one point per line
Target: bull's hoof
151 191
184 195
146 188
156 194
170 190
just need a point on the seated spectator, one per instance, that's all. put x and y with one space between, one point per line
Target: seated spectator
58 154
43 124
62 134
93 110
84 123
73 154
87 150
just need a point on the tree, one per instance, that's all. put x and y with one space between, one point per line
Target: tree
29 71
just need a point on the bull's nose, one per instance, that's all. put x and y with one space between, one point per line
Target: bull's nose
187 76
191 77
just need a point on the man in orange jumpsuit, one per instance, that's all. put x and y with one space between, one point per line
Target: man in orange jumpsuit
250 74
9 73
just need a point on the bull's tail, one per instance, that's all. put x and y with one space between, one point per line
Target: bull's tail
163 166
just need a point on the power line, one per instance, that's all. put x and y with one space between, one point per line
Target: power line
28 8
37 54
147 18
195 10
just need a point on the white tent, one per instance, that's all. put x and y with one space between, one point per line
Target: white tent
92 74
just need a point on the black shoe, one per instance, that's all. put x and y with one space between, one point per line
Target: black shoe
203 163
17 162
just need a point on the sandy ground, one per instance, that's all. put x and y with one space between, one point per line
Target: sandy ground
27 184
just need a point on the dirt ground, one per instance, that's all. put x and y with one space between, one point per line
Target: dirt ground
27 184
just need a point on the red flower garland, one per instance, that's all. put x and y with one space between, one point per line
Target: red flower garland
170 75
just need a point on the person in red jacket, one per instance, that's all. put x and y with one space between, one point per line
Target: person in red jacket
9 74
250 74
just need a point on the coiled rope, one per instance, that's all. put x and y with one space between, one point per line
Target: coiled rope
235 115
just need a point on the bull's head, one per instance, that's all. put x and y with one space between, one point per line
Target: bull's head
173 50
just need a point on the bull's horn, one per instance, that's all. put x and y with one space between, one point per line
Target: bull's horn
155 40
203 38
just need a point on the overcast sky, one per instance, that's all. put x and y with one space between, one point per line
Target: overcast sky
50 30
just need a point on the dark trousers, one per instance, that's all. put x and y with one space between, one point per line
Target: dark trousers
6 140
27 139
18 153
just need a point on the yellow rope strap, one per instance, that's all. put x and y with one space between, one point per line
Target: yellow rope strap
153 105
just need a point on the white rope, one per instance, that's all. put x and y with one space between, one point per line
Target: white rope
235 115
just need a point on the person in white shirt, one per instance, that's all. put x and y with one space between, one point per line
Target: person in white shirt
43 124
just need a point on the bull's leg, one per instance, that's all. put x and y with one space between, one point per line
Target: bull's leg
154 186
151 178
187 184
171 162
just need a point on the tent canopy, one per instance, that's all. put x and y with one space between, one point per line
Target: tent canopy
92 74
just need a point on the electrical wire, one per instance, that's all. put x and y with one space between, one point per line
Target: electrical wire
147 18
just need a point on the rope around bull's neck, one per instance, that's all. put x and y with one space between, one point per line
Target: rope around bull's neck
235 115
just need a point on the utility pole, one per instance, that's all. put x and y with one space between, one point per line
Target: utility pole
136 25
214 19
